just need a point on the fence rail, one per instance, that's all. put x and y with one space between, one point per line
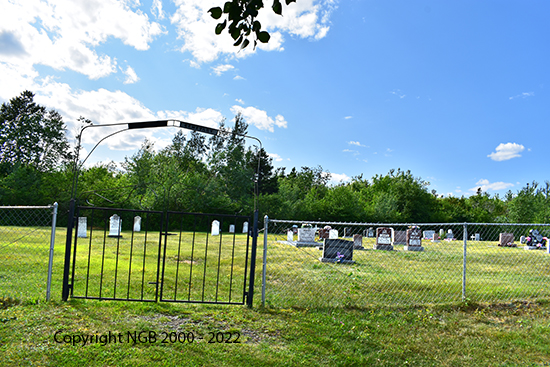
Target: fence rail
318 264
27 238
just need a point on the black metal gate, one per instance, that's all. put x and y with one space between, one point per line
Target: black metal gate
150 256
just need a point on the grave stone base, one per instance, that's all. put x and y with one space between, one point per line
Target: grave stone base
115 236
413 248
304 244
384 247
534 248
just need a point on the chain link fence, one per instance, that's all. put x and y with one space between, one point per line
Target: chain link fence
27 237
326 264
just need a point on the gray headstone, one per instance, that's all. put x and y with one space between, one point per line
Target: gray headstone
245 227
115 224
215 228
82 227
358 242
231 228
400 237
429 235
137 224
506 240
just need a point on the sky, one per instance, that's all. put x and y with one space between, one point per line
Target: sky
457 92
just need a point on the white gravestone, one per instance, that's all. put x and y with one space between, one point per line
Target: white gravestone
290 236
82 227
215 228
358 242
245 227
333 234
115 224
137 224
231 228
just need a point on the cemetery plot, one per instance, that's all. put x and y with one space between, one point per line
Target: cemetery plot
195 259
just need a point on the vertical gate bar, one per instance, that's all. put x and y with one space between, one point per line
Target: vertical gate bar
117 251
89 253
232 261
163 226
146 227
178 261
74 253
68 243
130 263
246 263
193 255
103 258
464 262
206 258
264 263
250 297
219 263
52 244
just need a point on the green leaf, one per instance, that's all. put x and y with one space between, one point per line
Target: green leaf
227 7
238 41
263 36
245 43
215 12
277 7
235 33
289 1
256 26
220 27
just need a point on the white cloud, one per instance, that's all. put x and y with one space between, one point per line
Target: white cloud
195 27
238 100
348 117
485 185
506 151
131 76
238 77
397 92
62 34
356 143
275 157
523 95
337 178
259 118
220 69
354 152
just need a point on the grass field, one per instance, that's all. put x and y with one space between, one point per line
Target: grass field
379 311
296 277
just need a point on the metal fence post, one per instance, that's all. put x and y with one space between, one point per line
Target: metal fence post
250 296
465 237
266 222
52 243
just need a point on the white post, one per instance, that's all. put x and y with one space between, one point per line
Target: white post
52 243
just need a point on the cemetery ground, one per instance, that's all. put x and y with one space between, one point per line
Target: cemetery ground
453 333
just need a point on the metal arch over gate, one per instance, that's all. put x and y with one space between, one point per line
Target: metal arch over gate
175 250
150 256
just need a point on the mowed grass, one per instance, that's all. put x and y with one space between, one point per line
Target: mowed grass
296 277
53 334
380 311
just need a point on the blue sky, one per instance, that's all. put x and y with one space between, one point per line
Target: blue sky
454 91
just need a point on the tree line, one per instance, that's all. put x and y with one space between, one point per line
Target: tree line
221 174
